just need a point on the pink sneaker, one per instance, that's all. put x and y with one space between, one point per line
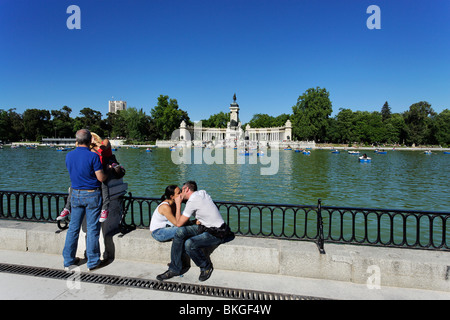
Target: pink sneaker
63 214
103 215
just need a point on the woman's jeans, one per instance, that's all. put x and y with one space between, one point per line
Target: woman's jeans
84 203
189 241
164 234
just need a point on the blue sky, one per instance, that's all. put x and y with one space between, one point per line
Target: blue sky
201 52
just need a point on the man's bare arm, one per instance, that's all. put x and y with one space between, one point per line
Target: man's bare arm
101 176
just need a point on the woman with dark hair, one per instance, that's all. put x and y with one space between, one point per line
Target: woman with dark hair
163 223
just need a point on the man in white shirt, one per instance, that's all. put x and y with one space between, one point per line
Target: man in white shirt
209 230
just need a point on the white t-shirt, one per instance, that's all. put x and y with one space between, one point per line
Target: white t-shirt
159 220
203 208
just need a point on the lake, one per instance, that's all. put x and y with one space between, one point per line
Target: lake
396 180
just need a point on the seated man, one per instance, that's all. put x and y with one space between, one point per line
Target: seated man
210 230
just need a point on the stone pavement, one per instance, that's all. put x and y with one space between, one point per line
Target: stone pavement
14 286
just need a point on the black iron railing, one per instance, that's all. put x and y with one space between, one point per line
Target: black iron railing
32 206
318 223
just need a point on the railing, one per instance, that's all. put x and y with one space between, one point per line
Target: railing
32 206
317 223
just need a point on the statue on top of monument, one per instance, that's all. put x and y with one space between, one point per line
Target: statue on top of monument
234 98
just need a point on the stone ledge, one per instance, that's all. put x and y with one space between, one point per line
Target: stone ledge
407 268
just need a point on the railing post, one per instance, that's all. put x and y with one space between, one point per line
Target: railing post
124 228
320 237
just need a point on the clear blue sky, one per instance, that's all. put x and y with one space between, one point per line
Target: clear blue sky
201 52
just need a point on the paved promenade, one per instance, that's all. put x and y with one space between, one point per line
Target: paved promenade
14 286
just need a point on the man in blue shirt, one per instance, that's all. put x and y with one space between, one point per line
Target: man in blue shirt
86 174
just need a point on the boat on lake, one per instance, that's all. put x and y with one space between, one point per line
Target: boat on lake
364 159
353 152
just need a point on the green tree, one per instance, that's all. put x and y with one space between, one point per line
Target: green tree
376 129
62 123
418 120
90 119
344 127
395 129
332 131
115 124
167 117
137 123
442 128
11 125
36 124
370 128
280 121
310 115
261 120
361 128
386 112
3 125
218 120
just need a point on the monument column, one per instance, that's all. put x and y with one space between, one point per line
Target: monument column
234 114
288 130
184 133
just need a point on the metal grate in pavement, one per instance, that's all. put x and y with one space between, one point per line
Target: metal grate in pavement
176 287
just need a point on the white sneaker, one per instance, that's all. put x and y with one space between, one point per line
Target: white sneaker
103 215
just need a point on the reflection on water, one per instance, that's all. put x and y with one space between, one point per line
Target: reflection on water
397 180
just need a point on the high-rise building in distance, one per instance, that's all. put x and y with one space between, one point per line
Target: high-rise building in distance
115 106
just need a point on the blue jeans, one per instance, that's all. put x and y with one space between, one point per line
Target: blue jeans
164 234
84 203
189 241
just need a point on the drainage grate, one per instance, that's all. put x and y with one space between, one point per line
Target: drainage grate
209 291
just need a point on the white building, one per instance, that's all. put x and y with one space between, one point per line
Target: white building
115 106
234 136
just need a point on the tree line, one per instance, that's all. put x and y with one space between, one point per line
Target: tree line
419 125
132 124
311 120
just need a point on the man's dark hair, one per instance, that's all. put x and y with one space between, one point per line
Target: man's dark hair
192 185
83 137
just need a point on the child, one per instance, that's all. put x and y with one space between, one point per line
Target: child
111 168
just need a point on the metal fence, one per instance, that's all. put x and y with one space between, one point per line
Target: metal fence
321 224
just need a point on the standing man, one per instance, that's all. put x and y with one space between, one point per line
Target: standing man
210 230
86 174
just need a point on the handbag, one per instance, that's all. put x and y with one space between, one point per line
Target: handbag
221 232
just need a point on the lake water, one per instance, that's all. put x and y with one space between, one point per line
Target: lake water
396 180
